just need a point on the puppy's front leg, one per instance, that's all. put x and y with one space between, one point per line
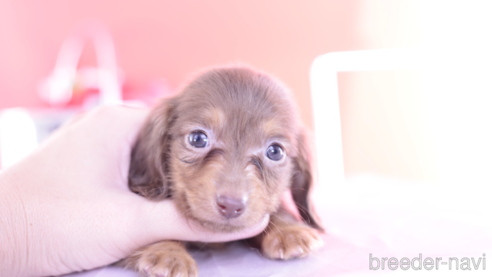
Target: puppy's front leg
162 259
285 238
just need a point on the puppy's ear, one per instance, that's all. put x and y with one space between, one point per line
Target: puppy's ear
148 166
302 182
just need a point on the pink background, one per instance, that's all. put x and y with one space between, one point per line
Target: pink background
170 40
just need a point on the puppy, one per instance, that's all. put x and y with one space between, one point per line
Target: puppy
225 149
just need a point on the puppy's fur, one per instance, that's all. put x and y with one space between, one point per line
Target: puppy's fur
242 112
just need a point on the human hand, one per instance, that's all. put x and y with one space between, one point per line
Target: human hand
67 206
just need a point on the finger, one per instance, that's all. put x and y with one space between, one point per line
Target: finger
205 235
73 119
101 140
115 122
164 222
105 123
114 131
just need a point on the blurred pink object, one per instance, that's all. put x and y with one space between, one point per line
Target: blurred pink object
69 90
102 84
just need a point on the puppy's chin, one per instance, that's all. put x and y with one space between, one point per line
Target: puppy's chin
226 226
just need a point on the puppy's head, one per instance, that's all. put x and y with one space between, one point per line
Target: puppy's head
225 149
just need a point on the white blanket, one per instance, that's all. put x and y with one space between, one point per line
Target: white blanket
371 216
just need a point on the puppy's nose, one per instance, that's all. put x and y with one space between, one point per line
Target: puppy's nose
230 207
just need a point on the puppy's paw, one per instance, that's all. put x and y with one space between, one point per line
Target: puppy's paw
165 259
287 242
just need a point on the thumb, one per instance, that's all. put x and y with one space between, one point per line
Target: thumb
165 222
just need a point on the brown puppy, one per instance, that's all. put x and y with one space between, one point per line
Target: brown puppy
225 149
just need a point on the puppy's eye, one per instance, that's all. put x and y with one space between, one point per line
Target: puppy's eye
198 139
275 152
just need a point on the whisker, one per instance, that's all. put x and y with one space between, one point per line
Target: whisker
305 212
279 229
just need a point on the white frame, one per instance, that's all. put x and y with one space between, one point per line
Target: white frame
326 105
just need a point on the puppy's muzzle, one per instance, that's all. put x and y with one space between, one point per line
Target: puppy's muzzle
230 207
